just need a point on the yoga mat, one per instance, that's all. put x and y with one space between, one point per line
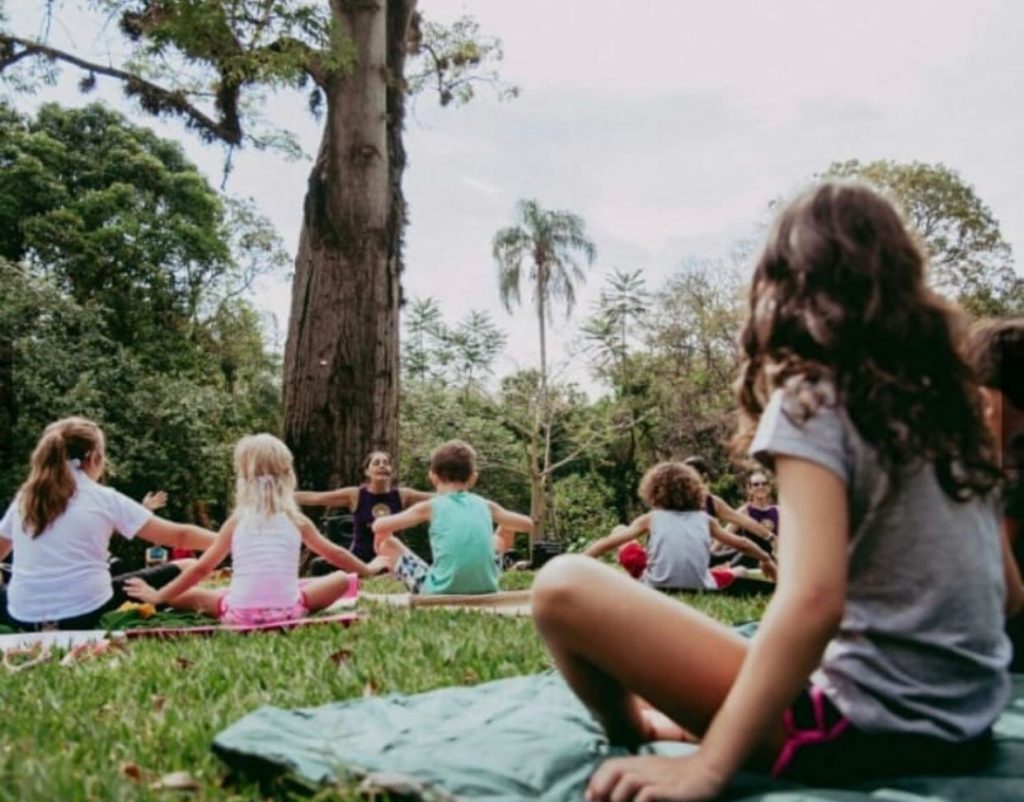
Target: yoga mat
342 619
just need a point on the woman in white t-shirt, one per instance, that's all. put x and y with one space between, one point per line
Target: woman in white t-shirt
59 527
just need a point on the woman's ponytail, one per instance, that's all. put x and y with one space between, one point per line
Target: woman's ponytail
50 485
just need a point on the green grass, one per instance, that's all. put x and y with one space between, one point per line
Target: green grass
66 732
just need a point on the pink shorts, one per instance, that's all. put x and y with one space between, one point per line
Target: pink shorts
250 616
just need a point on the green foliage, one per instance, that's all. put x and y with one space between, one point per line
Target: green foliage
453 59
435 351
124 306
970 260
432 413
582 510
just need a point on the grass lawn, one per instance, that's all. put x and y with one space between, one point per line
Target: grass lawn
80 732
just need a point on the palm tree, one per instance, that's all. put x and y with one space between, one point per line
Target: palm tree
553 246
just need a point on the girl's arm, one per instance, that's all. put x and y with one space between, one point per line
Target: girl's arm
138 588
510 520
339 497
620 535
803 615
738 542
333 553
386 524
742 510
412 496
727 513
5 548
176 536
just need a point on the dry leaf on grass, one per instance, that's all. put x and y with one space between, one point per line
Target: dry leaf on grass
131 771
341 656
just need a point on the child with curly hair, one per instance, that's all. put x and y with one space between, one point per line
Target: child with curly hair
678 532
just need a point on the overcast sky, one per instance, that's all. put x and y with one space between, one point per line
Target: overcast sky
668 125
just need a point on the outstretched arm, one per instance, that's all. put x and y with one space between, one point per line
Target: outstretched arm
139 589
412 496
738 542
335 554
620 536
339 497
746 546
727 513
510 520
414 516
176 536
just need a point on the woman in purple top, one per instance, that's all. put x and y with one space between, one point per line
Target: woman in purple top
760 507
368 502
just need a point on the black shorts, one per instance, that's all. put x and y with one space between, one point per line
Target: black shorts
157 576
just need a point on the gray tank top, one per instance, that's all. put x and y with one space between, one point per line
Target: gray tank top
679 551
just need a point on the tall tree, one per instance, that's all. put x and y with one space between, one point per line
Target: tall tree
970 260
212 62
553 246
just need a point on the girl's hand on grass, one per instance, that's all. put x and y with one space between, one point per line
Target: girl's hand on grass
651 778
139 589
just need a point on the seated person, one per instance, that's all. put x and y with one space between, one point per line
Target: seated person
466 549
996 351
679 532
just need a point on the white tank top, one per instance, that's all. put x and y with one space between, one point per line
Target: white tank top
265 562
679 551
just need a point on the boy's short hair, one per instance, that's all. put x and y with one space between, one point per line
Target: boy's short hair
454 461
673 486
995 349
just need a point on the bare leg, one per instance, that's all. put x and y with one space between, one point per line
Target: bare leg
621 646
391 549
202 600
325 590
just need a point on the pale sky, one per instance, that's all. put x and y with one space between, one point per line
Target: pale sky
668 125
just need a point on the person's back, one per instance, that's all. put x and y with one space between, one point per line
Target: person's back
678 551
265 554
63 571
920 648
461 539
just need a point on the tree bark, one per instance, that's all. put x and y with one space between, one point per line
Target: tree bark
341 371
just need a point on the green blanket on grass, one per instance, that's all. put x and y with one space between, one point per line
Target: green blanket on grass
527 738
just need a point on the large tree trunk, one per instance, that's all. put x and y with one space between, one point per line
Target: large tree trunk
341 359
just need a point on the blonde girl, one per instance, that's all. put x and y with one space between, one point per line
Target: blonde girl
264 536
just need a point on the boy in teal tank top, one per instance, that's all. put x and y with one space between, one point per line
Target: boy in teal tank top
467 553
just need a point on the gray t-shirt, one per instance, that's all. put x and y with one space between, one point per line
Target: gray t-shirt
679 551
921 647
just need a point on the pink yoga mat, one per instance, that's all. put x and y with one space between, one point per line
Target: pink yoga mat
342 619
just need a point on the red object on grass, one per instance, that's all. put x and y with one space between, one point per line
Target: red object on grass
633 557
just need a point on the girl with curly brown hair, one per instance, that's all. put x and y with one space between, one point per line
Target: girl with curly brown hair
882 650
678 532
